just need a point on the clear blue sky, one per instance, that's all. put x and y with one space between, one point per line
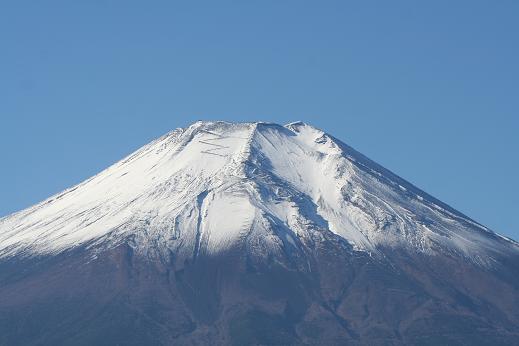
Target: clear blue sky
429 89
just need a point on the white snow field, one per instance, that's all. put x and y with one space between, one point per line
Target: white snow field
208 187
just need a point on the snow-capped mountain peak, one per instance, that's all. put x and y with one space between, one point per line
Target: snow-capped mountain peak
215 186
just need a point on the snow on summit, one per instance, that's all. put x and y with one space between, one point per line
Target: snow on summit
215 186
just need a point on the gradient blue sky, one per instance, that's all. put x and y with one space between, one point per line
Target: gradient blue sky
428 89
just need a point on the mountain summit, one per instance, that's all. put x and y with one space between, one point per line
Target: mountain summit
253 233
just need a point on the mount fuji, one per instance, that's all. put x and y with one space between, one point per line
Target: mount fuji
253 234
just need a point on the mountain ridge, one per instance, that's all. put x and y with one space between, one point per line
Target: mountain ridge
252 233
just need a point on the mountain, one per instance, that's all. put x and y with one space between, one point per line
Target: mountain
253 234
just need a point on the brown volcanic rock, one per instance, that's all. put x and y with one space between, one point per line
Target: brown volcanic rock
120 298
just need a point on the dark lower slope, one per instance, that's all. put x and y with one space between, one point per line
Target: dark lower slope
336 297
